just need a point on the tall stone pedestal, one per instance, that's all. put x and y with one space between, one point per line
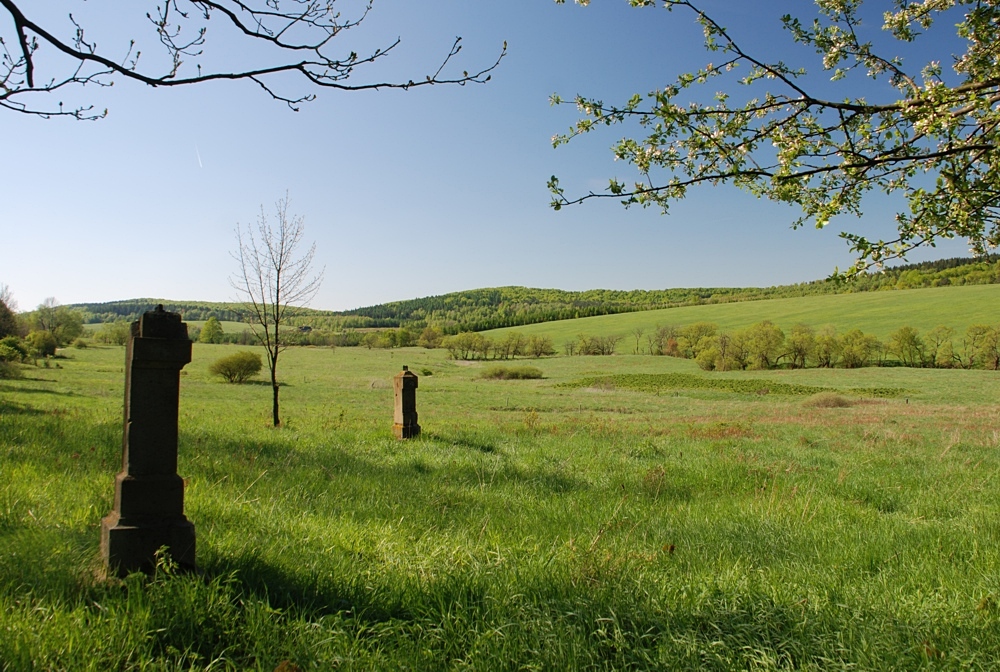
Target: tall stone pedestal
148 512
404 424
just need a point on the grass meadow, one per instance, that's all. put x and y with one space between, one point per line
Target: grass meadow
535 525
877 313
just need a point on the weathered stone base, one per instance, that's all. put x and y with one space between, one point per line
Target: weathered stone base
405 431
160 497
131 548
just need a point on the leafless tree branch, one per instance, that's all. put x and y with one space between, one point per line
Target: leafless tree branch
299 34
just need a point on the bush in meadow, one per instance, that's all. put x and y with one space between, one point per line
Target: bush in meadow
41 344
13 349
827 400
512 373
238 367
709 357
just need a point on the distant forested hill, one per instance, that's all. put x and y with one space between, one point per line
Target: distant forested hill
491 308
131 309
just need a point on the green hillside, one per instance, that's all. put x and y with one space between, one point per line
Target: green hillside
878 313
498 307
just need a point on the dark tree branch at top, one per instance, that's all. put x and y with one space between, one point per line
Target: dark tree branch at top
298 33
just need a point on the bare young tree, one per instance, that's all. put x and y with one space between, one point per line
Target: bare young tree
166 44
274 277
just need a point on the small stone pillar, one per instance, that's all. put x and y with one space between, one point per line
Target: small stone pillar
404 386
148 511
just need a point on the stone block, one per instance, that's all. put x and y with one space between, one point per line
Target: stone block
148 511
405 409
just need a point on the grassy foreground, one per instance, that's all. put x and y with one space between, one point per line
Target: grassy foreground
537 524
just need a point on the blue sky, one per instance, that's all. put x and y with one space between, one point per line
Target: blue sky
406 194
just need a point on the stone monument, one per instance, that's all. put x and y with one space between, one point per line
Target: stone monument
148 512
405 418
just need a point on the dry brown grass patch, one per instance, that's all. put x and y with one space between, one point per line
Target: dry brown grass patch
827 400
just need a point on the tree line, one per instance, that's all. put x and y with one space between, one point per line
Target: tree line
132 309
473 345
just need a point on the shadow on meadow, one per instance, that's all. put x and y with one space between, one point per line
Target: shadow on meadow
14 408
258 383
20 389
465 440
56 448
299 591
381 460
39 559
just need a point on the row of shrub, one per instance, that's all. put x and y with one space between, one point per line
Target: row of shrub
592 345
662 382
765 346
429 337
474 345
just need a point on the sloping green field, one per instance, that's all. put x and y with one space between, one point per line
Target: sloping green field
878 313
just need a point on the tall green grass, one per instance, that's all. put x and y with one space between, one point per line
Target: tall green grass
532 526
